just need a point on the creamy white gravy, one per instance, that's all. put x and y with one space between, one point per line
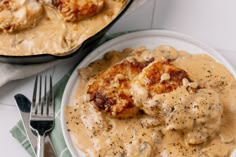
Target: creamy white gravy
148 136
54 36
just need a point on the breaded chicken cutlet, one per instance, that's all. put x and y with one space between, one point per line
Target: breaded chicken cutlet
158 78
18 15
110 90
75 10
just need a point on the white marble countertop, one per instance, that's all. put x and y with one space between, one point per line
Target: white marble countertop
209 21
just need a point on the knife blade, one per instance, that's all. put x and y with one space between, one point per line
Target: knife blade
24 105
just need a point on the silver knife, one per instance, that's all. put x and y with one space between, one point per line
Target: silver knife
24 105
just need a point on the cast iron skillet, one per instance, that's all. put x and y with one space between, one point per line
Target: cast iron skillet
81 50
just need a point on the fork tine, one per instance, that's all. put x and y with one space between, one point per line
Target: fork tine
45 104
39 104
34 108
51 99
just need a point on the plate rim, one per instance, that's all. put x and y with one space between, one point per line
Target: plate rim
129 36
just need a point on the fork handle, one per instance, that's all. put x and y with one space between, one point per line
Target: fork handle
40 145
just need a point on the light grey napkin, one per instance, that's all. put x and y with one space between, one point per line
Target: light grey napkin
9 72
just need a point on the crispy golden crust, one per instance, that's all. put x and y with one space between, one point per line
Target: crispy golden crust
110 91
75 10
17 15
156 79
162 77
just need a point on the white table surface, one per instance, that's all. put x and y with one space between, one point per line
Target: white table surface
210 21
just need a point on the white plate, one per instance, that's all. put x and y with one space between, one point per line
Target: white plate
148 38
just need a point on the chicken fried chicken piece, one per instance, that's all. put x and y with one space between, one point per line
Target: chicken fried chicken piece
17 15
75 10
110 90
155 79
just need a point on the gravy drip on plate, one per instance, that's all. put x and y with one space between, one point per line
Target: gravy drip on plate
177 123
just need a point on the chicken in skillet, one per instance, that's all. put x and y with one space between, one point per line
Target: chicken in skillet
17 15
75 10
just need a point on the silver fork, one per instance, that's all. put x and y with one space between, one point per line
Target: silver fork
42 112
